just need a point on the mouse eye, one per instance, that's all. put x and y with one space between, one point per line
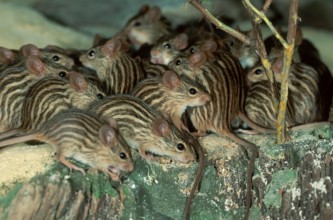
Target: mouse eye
62 74
193 91
231 44
55 58
138 23
122 155
192 50
100 96
178 62
167 46
180 147
258 71
91 53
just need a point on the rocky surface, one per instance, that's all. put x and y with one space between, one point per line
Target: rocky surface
292 180
284 173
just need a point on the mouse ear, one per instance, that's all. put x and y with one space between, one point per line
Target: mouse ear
171 80
97 40
6 55
143 9
107 135
298 37
209 46
111 47
77 81
161 127
55 48
197 59
277 65
154 14
29 50
112 122
181 41
35 65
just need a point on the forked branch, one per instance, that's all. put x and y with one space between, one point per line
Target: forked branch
220 24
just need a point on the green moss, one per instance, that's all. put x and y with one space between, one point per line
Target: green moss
6 200
280 179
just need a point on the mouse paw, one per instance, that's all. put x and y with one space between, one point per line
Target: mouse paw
70 165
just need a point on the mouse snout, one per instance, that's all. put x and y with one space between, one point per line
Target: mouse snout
205 98
82 58
128 167
189 158
113 173
154 57
153 52
186 158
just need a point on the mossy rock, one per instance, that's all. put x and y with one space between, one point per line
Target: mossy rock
292 180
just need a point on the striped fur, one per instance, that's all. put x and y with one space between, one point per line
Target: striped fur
224 81
118 72
172 102
303 85
15 83
51 95
135 119
153 70
260 108
50 54
76 134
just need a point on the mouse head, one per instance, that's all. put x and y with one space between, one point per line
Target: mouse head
258 73
189 65
98 57
207 46
30 50
167 141
114 156
50 53
57 55
184 91
39 67
86 91
7 56
245 53
147 26
168 49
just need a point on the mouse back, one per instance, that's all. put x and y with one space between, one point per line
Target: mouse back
140 126
116 70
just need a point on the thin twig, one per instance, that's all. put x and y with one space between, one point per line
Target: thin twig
287 58
260 46
262 16
266 5
243 38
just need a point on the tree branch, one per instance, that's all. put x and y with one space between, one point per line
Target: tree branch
266 5
263 17
260 46
219 24
287 58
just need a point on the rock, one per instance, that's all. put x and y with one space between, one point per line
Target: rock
21 25
292 180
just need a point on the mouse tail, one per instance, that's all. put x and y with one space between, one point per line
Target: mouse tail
18 139
255 126
7 134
